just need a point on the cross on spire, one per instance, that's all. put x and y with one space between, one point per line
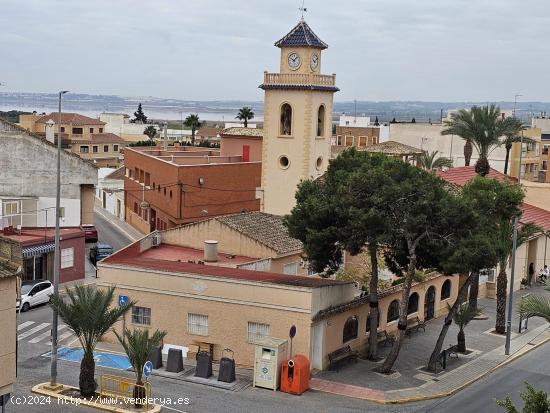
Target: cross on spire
303 9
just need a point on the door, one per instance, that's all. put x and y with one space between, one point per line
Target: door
104 200
153 220
429 304
34 295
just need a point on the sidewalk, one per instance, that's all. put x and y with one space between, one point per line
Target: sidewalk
412 383
123 226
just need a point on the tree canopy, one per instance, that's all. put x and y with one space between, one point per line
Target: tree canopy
139 115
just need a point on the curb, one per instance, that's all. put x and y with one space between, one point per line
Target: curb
451 392
130 236
39 389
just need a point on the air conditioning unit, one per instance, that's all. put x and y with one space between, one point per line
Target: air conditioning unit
156 240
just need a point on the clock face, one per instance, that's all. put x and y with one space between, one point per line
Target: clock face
294 60
314 62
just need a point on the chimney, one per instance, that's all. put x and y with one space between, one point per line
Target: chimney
165 136
50 133
246 153
210 251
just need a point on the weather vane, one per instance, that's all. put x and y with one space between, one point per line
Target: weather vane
303 9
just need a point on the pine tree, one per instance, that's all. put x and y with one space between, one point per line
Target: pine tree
139 116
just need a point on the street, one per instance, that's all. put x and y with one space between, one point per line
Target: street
110 233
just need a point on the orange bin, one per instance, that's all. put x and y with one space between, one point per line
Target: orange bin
295 375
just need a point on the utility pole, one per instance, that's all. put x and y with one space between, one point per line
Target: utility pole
56 263
513 273
516 96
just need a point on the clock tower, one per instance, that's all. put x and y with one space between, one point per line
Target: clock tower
297 119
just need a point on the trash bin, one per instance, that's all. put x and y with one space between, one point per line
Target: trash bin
174 363
295 375
156 357
227 367
204 364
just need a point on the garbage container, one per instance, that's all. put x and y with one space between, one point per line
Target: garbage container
270 353
227 367
156 357
204 364
295 375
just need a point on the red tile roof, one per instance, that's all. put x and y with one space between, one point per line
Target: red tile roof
536 215
37 236
117 173
68 118
100 138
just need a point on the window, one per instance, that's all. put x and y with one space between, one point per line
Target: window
141 176
321 121
284 162
135 207
413 304
257 331
446 290
393 311
94 149
115 148
62 128
290 269
11 208
91 130
286 120
349 141
77 131
100 130
136 174
368 322
350 329
67 257
319 163
141 315
147 179
339 140
197 324
105 148
362 141
170 194
84 149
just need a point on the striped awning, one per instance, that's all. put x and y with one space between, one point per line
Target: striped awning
35 250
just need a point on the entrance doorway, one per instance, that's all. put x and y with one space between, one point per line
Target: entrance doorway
153 220
429 304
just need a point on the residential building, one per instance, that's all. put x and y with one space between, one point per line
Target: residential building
533 251
357 131
166 188
8 324
531 157
219 306
297 119
209 134
120 124
542 122
33 250
73 125
28 185
110 190
354 121
103 149
246 141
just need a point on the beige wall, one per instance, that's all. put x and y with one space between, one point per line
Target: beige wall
305 55
8 295
537 194
234 146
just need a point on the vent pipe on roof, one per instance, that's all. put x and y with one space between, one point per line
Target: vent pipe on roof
210 251
165 136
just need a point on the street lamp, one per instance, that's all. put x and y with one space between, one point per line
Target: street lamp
513 272
57 263
516 96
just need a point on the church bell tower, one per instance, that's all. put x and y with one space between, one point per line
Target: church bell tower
297 119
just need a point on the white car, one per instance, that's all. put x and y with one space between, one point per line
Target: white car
34 293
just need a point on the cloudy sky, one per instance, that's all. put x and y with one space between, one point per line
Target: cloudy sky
451 50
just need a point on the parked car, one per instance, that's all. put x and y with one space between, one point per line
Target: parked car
34 293
100 251
90 232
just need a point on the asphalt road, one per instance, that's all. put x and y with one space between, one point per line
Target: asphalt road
110 233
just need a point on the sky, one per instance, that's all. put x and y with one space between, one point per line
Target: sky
429 50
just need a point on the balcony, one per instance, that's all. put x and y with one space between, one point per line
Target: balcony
299 81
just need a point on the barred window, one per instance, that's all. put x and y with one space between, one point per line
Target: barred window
197 324
257 331
141 315
67 257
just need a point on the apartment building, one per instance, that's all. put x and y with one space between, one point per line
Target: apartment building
73 125
103 149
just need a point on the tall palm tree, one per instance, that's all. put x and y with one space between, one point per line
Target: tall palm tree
462 317
89 314
481 127
504 247
245 114
509 139
535 306
428 161
193 122
139 345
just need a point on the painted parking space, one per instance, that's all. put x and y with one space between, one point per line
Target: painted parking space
102 359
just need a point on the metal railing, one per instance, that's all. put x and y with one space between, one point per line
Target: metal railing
122 388
300 79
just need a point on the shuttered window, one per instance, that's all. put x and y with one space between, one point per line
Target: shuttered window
197 324
257 331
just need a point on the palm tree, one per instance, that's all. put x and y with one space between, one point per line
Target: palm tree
89 314
428 161
192 121
150 131
245 114
481 128
509 139
138 346
504 247
462 317
535 306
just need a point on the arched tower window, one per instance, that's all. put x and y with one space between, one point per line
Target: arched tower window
286 120
321 121
350 329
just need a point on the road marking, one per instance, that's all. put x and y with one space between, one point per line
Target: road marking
25 324
65 335
46 334
32 331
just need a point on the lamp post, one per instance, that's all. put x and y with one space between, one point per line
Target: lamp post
516 96
57 264
513 272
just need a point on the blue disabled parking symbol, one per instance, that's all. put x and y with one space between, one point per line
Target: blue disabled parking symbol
122 299
147 369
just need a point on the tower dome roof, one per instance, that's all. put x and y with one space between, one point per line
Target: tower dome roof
302 36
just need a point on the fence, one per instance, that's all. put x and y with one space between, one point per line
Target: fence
124 389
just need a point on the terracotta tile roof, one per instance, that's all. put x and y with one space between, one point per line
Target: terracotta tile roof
117 173
100 138
248 132
302 36
463 174
392 148
38 236
536 215
264 228
74 119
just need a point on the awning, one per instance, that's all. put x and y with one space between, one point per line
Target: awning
35 250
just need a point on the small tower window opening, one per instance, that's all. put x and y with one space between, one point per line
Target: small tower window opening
321 121
286 120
